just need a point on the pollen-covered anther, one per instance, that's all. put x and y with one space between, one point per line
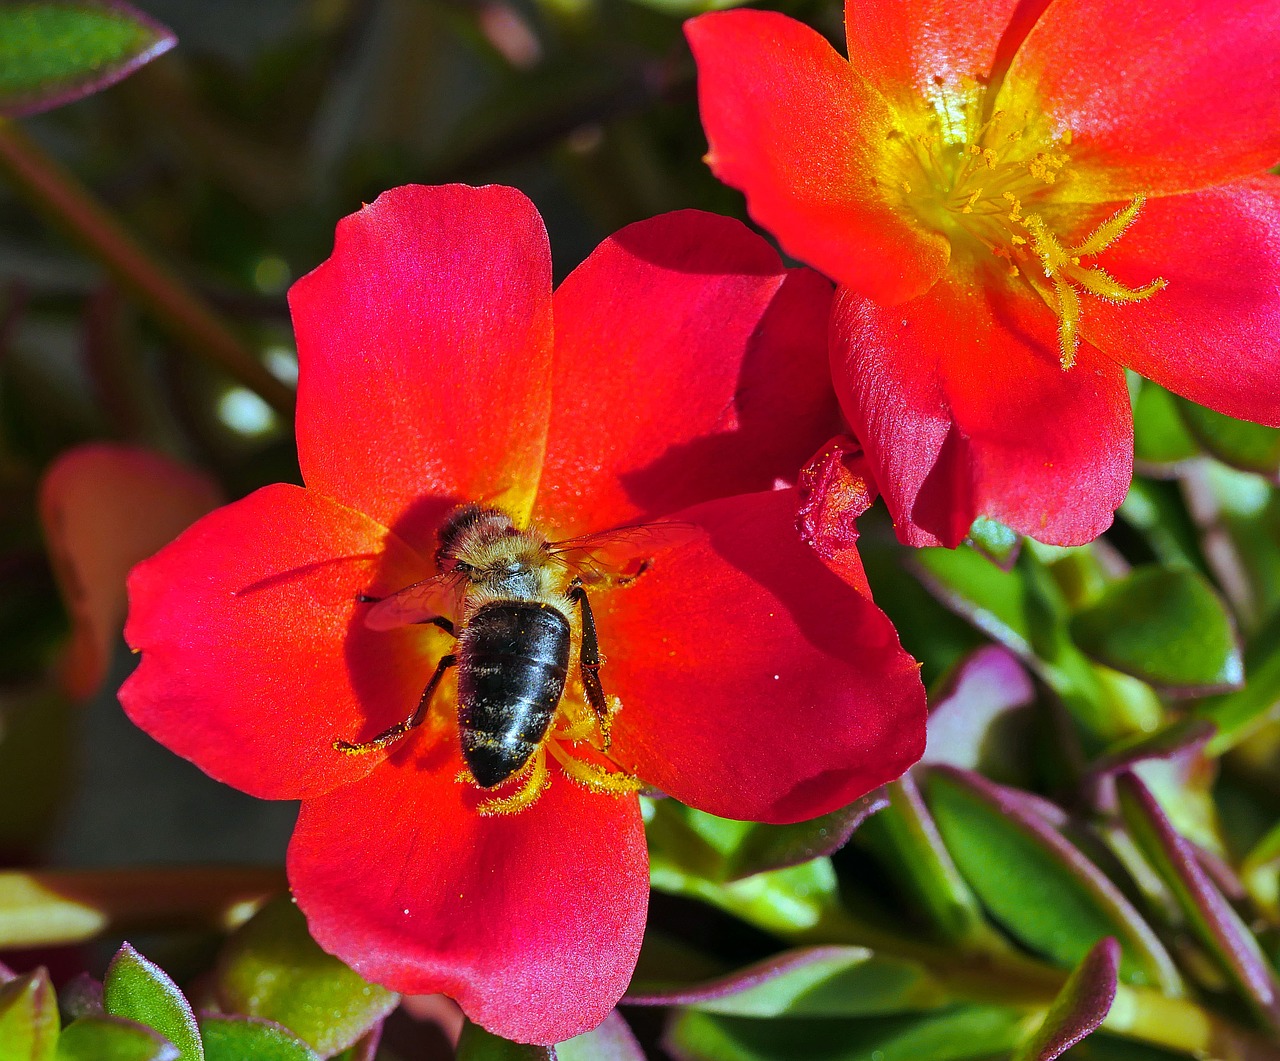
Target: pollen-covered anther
534 778
593 777
1062 265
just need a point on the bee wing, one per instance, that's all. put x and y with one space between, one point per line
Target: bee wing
428 599
624 553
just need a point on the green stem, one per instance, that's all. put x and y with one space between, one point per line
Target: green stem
187 318
55 907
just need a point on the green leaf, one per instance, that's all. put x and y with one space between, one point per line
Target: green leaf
1081 1005
807 982
1023 610
1039 886
1260 872
1249 447
1241 713
29 1020
272 968
476 1044
998 543
1160 436
56 51
113 1039
905 837
139 990
955 1034
1165 627
612 1041
251 1039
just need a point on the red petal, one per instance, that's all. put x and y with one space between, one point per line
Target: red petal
532 921
254 656
792 126
1212 335
689 364
754 682
965 411
1160 95
103 509
913 46
424 346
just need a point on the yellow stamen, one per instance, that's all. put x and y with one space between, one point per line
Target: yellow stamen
595 778
1062 266
536 779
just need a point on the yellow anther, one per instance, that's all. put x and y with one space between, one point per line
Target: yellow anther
1111 229
1062 266
536 779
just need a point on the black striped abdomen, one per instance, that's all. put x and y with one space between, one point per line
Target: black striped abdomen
513 658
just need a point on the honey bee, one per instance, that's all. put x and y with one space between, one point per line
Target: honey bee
516 603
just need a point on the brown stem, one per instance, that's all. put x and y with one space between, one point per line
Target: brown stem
175 307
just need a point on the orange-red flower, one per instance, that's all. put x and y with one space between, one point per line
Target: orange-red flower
1019 200
684 372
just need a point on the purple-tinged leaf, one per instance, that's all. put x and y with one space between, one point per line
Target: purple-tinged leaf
29 1022
808 982
1182 738
905 838
1209 915
1081 1005
1224 878
139 990
1166 627
957 1033
243 1038
612 1041
55 51
6 974
81 996
988 689
1036 884
1178 739
769 847
113 1039
476 1044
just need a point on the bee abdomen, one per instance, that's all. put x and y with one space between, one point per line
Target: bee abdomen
512 663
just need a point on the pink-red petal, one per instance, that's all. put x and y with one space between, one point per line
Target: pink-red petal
754 682
1161 96
424 349
254 656
689 364
912 48
1213 334
964 409
532 921
791 124
104 508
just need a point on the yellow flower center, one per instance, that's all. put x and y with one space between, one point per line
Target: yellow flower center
997 186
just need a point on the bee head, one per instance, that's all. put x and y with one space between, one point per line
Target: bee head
466 527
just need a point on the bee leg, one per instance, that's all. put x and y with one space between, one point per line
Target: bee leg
589 662
390 736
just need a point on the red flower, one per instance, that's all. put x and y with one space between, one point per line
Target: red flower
1019 200
686 370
